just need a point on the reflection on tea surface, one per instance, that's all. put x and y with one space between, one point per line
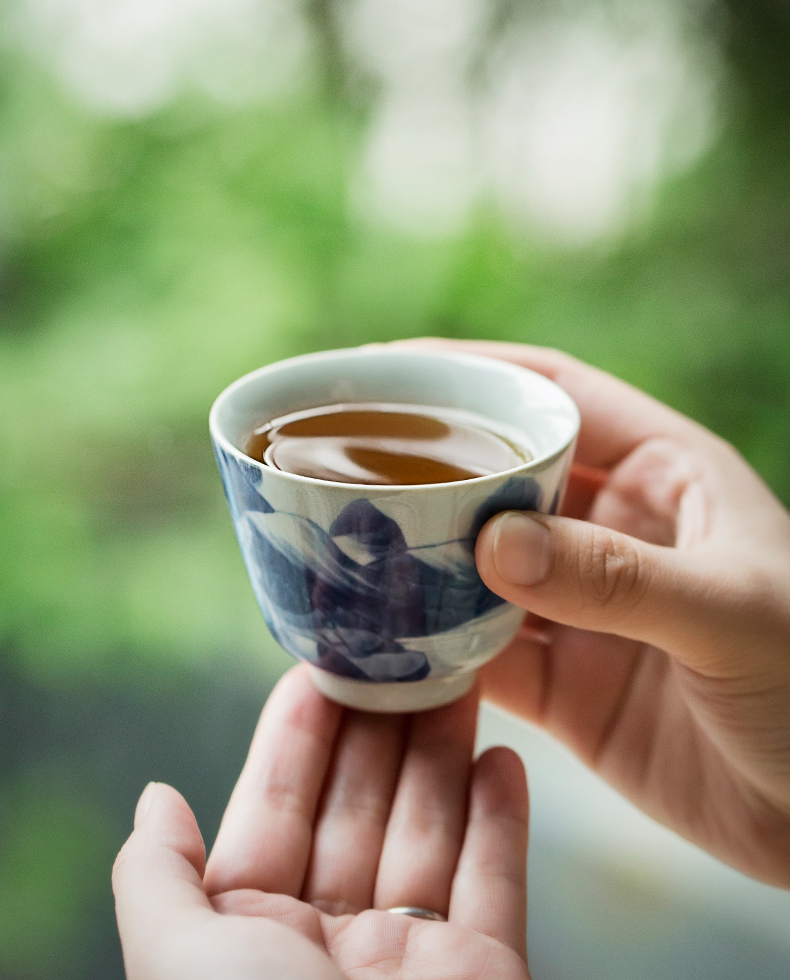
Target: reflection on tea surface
383 444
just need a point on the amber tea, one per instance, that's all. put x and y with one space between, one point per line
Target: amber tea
383 444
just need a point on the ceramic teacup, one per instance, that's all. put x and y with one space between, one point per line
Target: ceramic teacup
376 586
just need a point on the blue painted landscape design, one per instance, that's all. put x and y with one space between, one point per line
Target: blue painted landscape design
345 599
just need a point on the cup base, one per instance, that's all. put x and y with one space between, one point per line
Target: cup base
392 698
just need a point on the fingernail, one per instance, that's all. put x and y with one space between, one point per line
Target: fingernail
144 803
523 549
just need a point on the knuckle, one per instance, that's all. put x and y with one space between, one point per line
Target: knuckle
760 595
613 575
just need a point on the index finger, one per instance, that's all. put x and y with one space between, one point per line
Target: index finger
266 834
615 417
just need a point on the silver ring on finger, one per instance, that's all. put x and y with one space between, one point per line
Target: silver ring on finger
417 913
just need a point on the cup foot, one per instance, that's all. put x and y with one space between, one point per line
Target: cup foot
392 698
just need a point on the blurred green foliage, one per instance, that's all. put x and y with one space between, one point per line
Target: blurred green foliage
146 264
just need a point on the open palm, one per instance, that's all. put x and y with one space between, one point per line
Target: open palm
337 817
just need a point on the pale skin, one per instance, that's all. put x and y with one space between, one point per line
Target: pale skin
336 817
657 646
662 651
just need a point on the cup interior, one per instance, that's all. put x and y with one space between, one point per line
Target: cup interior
511 396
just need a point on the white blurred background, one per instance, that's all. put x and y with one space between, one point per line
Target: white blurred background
565 115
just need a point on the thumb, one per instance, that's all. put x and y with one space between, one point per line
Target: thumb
157 877
591 577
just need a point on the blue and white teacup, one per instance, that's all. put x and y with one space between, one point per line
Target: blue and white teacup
376 586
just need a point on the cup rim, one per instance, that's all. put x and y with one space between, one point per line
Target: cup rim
378 489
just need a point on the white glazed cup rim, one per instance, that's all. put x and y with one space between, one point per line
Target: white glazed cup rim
514 370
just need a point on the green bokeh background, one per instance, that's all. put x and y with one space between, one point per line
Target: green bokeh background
144 265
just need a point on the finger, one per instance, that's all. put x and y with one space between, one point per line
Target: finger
593 578
579 688
489 891
426 825
349 831
584 485
517 679
157 879
615 417
266 834
168 928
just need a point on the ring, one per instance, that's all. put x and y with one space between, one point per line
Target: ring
418 913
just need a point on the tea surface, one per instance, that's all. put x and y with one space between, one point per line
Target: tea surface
385 445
